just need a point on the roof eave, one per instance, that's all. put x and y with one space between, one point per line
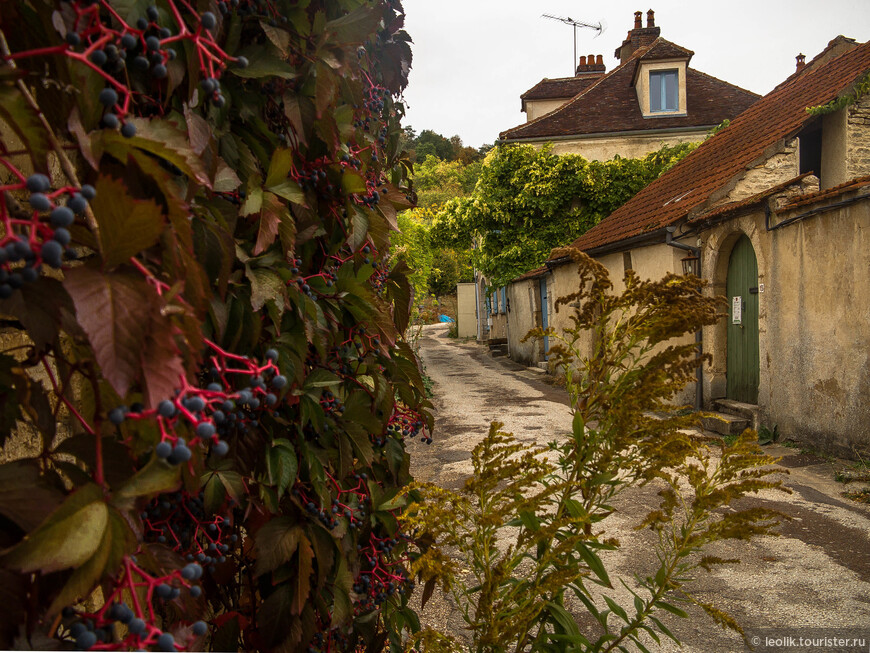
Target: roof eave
630 132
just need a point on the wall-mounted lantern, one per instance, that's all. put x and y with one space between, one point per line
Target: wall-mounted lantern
690 265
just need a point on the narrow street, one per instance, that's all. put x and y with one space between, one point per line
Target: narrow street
815 575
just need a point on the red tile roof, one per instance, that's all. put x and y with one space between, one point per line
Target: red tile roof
532 274
562 88
610 104
828 193
689 184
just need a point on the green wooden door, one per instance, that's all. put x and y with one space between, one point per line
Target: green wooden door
742 288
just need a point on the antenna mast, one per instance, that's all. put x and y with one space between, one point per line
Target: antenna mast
575 23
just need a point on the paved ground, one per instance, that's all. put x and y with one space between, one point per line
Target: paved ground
816 575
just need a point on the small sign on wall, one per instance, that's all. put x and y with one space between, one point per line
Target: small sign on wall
737 310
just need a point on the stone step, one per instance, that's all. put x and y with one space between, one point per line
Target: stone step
495 342
746 411
724 423
544 365
498 350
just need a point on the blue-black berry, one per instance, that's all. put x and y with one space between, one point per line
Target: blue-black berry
40 202
208 20
108 97
128 130
163 449
117 415
78 203
38 183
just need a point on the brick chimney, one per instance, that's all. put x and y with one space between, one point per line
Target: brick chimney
591 65
801 62
639 36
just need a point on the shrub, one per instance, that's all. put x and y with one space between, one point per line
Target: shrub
530 525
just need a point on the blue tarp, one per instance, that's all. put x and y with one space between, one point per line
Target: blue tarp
445 318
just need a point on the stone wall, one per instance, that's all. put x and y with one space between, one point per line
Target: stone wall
781 165
858 139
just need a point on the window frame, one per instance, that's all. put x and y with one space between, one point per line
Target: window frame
661 75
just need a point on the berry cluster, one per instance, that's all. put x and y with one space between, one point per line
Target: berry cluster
406 423
117 626
125 54
215 413
382 574
179 521
39 234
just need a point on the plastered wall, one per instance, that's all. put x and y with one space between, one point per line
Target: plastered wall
814 323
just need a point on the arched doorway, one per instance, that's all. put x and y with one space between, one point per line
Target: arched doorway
742 292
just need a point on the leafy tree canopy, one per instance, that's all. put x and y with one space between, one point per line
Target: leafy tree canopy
528 201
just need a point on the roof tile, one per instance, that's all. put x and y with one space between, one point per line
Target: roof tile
778 115
610 104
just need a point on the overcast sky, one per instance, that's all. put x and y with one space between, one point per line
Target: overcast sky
473 58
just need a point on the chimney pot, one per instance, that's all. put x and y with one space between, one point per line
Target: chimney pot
591 59
582 60
801 61
650 18
599 60
638 23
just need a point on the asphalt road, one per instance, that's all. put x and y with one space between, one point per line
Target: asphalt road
815 575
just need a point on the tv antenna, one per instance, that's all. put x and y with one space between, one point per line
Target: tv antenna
575 23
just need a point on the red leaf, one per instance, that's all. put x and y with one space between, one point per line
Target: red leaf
114 310
270 220
162 365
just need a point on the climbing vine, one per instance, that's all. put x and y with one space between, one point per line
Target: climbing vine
862 87
528 201
205 396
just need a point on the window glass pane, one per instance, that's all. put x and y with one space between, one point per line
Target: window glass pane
670 90
655 91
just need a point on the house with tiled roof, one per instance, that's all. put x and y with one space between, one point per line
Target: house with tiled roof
650 99
774 212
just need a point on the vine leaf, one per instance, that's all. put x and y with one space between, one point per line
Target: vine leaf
263 63
127 225
114 311
354 27
276 543
272 214
343 607
165 140
21 117
26 496
117 540
282 465
40 306
266 286
67 538
155 477
303 579
162 365
325 88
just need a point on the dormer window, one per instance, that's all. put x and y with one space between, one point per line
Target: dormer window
661 87
664 91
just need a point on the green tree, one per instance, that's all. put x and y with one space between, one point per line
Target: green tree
528 201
